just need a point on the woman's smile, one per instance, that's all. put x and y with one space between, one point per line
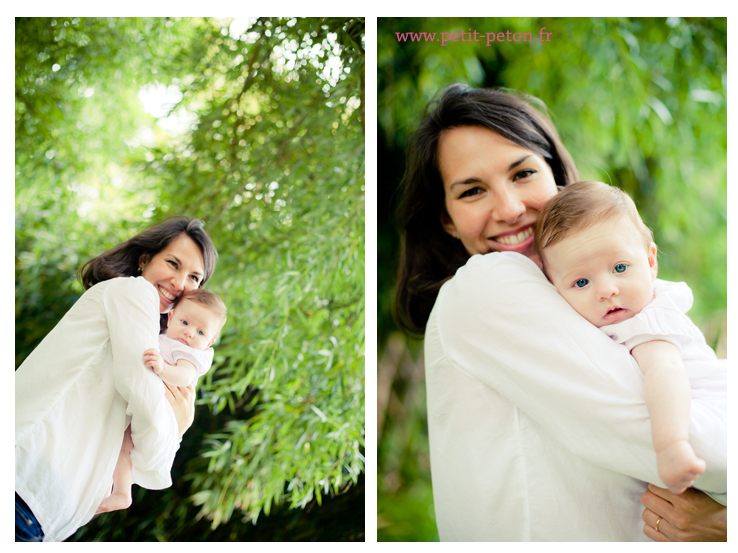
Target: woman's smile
167 295
513 238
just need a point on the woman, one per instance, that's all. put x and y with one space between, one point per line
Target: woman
86 382
538 430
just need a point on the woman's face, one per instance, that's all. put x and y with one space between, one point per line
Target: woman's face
494 189
176 269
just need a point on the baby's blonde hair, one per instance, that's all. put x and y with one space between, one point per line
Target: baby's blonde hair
580 206
210 300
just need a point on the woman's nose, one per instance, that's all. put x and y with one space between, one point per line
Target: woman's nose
178 282
508 207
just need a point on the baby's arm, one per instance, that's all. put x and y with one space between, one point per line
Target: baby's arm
180 374
668 397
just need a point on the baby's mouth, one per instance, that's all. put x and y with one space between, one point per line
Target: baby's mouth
512 239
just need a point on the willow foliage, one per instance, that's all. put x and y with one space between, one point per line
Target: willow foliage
264 140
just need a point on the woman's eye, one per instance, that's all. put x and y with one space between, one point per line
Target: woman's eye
471 192
195 278
523 174
581 283
172 263
620 267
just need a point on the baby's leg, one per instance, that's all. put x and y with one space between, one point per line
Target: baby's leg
678 466
122 479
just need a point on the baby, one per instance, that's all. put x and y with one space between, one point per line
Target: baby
184 355
600 256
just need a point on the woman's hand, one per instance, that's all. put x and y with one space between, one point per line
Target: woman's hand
689 516
182 401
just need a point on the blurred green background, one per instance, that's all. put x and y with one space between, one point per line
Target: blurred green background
255 126
639 103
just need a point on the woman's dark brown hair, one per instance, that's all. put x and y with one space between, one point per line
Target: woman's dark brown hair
123 259
429 255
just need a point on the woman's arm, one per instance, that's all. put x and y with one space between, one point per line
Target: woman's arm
132 313
502 323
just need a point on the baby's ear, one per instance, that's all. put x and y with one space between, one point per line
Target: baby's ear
171 312
652 262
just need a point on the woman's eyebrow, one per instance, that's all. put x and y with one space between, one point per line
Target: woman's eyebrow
472 180
198 273
514 164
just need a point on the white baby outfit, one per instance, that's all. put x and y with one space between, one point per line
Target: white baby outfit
172 351
665 319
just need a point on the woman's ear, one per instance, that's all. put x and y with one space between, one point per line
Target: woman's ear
652 262
448 225
143 260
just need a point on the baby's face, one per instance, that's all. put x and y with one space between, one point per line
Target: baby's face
605 272
193 325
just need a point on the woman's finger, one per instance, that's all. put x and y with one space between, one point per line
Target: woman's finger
663 493
658 507
658 523
651 532
657 504
168 392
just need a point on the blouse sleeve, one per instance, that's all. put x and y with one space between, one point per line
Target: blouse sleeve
502 323
132 313
663 319
202 360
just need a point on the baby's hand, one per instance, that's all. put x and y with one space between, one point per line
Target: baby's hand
678 466
154 360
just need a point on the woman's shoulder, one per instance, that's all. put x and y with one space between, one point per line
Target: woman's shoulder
500 282
134 288
494 273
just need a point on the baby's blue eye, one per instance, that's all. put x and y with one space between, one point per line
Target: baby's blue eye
184 322
620 267
581 283
201 333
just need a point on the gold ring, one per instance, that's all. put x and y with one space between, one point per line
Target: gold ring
657 523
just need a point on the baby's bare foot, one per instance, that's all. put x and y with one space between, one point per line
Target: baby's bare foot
114 502
678 466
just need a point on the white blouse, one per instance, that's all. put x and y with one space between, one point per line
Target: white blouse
76 394
538 426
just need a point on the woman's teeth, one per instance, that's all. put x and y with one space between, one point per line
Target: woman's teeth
166 294
512 239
